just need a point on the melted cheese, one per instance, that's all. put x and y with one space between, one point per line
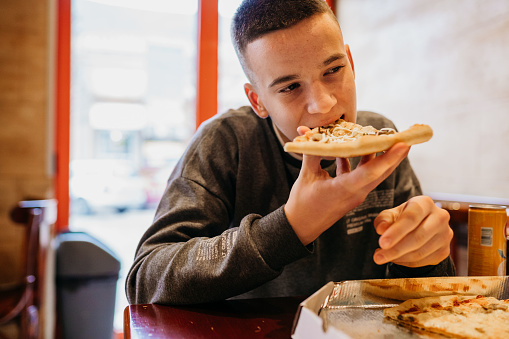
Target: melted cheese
342 131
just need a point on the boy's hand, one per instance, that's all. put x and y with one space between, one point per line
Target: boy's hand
414 234
317 200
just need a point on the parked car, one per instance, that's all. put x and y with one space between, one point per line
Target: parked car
99 184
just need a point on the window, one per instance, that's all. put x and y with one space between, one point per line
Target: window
132 113
231 78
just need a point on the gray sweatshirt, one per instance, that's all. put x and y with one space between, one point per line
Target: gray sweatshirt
220 230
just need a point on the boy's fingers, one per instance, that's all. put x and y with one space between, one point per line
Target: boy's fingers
367 158
302 130
310 164
343 166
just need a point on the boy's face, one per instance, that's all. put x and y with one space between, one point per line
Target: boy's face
302 76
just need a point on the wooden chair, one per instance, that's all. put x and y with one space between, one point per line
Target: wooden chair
21 302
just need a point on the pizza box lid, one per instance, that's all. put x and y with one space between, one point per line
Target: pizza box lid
354 309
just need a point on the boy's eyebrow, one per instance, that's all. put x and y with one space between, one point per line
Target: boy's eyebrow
333 58
282 79
291 77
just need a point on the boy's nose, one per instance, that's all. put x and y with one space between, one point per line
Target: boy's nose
320 100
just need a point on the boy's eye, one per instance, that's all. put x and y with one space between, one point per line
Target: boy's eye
290 88
334 70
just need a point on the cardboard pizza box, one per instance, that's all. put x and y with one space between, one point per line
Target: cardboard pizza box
354 309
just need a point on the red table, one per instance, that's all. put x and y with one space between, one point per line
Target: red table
246 318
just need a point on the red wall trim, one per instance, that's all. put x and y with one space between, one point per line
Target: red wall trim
207 61
62 114
332 4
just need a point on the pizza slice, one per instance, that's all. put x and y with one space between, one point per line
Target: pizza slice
455 316
414 288
343 139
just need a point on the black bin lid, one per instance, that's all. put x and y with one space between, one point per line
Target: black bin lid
79 255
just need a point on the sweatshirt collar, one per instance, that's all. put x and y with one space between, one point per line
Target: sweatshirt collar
279 136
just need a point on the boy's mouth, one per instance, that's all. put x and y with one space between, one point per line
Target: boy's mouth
328 122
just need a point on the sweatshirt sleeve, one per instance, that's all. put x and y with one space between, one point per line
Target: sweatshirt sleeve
180 261
205 244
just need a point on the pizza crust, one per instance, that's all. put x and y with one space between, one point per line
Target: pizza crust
413 288
363 145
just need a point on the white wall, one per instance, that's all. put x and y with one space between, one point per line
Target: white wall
444 63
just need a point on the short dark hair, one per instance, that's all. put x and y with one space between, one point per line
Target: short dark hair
255 18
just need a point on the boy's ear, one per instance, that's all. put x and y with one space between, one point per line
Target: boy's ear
349 54
255 101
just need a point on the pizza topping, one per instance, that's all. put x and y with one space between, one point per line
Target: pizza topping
411 309
341 131
343 139
492 307
386 131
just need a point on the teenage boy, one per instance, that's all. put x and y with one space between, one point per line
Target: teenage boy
242 218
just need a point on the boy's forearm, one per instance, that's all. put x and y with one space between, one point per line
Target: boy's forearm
210 269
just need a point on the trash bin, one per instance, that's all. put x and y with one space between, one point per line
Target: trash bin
86 278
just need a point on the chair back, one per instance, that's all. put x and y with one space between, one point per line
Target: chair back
23 302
